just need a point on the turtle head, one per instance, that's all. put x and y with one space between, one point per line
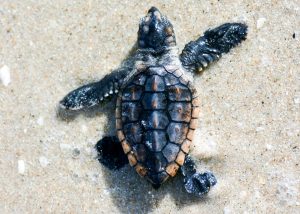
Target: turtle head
155 31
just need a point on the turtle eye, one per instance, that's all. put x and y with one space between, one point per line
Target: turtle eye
169 31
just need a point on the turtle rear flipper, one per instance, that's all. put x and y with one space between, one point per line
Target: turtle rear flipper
194 182
110 153
94 93
197 55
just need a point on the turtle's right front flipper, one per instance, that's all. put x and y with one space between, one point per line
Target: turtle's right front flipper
94 93
198 54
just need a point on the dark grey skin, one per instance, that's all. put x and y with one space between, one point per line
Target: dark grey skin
156 47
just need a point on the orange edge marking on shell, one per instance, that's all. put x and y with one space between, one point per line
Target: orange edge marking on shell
194 123
118 124
180 158
196 101
185 147
120 135
131 158
190 134
126 147
142 171
118 104
117 111
195 112
172 169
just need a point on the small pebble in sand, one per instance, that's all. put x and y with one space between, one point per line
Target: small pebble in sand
261 180
43 161
5 75
269 147
260 22
21 167
75 153
260 128
40 121
297 100
84 128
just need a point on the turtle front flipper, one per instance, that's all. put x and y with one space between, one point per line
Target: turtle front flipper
94 93
194 182
110 153
197 55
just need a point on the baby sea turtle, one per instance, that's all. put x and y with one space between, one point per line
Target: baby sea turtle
157 107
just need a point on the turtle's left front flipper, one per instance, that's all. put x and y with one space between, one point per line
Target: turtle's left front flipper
194 182
94 93
197 55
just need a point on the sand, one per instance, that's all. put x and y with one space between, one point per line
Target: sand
249 124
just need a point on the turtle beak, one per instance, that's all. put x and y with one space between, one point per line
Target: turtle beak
154 15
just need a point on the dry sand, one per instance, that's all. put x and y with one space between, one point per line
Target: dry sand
249 125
